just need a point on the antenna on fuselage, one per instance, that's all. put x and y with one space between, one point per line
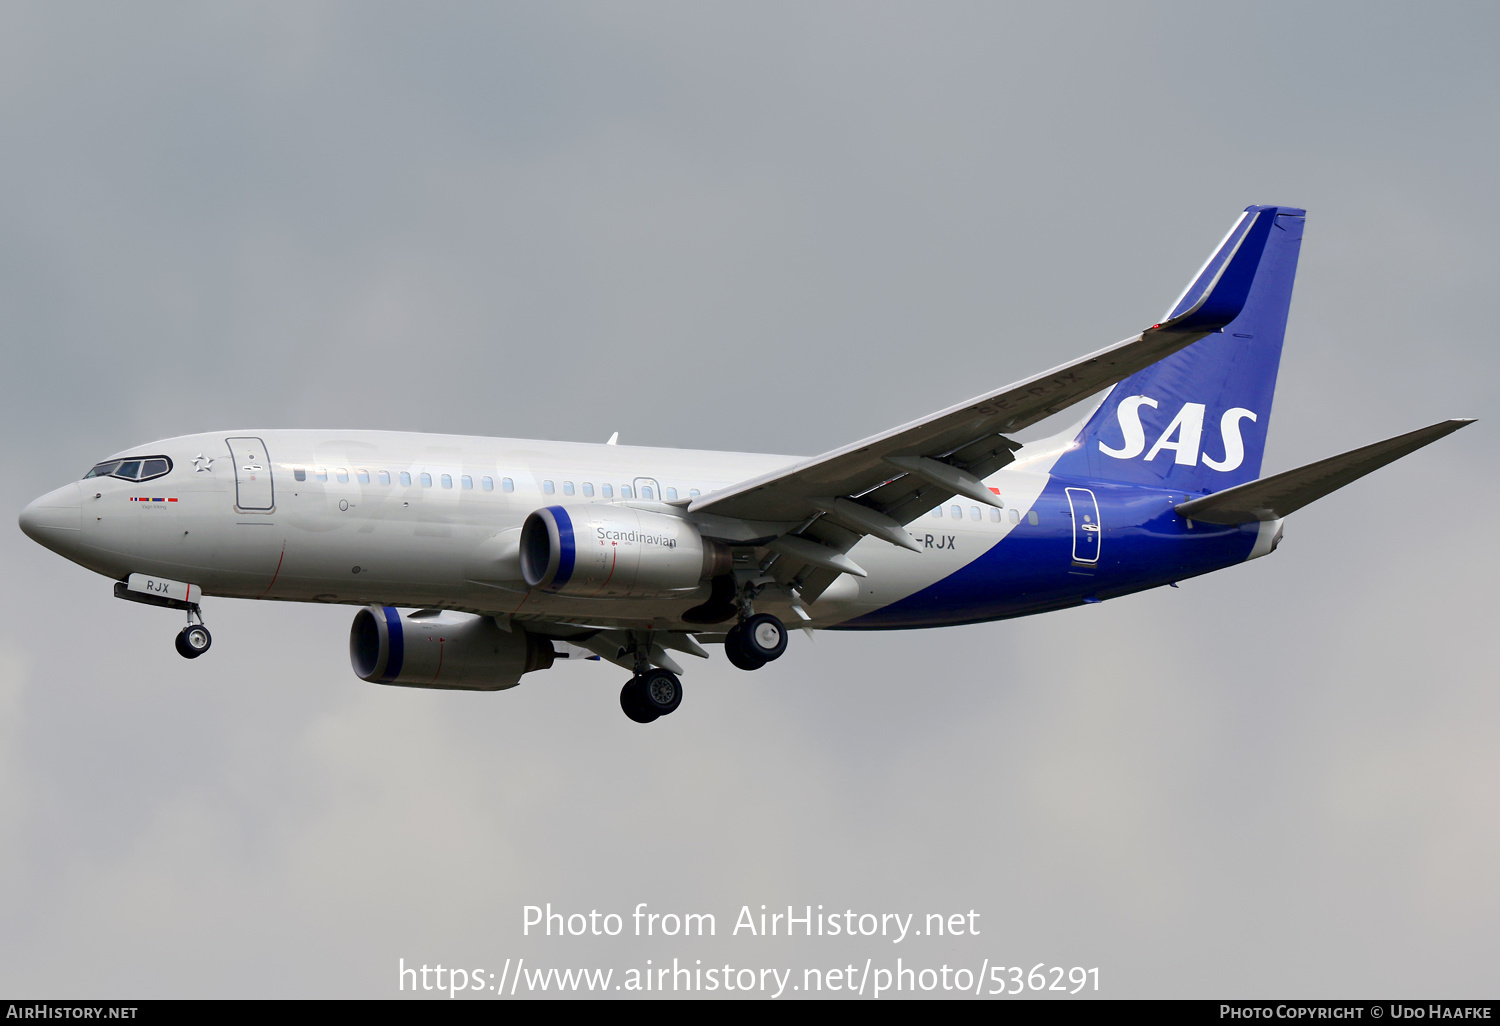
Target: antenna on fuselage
613 438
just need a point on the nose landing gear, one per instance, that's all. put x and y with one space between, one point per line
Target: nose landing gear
194 639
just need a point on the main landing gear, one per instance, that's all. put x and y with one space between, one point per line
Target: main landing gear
750 644
755 641
651 694
194 639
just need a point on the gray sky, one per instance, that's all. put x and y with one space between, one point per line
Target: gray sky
773 227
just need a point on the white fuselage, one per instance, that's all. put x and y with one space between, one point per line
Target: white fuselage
404 519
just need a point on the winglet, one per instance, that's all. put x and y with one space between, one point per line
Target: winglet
1218 292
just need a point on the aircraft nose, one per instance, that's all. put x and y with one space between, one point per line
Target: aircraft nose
55 520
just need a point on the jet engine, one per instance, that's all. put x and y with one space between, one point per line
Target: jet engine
603 551
436 648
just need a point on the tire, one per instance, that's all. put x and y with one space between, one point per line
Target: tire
660 691
735 651
764 637
633 703
197 638
193 641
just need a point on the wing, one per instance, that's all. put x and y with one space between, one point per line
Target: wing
877 485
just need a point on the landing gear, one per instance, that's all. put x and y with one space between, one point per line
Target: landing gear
755 641
652 694
633 704
734 649
194 639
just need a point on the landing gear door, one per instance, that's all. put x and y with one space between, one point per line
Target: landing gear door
1086 529
253 488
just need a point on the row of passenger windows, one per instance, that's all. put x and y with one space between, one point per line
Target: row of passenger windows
607 491
585 488
466 482
341 474
975 513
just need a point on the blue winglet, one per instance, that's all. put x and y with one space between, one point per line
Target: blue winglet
1219 291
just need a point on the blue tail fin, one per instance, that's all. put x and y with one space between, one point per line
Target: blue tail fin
1196 421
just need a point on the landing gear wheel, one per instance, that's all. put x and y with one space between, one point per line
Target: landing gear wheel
193 641
735 650
763 637
633 702
660 691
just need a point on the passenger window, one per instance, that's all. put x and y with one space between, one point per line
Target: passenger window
385 477
507 484
1015 515
426 479
937 511
626 493
1032 518
548 487
994 515
588 489
343 475
974 513
467 482
321 474
693 493
671 493
607 490
364 477
299 473
406 479
447 480
958 512
567 487
129 470
487 483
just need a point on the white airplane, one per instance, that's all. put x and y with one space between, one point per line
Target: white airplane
511 553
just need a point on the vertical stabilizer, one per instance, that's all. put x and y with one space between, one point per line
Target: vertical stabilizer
1197 421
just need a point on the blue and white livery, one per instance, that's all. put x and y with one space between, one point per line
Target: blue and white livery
510 554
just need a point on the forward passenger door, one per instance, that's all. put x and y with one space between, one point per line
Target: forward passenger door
254 490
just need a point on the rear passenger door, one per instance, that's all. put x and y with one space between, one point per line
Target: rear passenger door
1086 527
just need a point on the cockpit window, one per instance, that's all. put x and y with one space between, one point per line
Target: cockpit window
133 470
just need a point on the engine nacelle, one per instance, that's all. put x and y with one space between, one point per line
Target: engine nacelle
434 648
609 551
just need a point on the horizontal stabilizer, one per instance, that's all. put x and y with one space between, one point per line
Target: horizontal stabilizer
1272 498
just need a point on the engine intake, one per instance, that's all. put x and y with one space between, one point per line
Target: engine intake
434 648
616 552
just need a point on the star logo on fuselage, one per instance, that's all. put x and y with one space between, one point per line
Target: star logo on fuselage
202 463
